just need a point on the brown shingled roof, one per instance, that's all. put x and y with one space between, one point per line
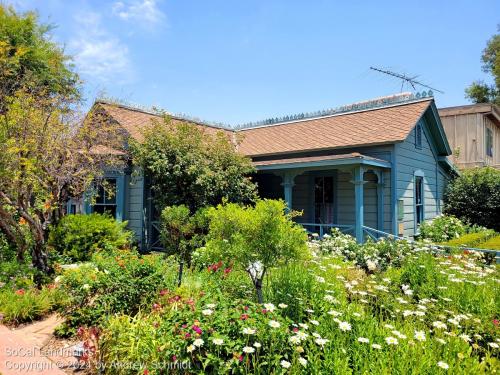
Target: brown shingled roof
374 126
370 127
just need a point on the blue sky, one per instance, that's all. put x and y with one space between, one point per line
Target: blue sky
239 61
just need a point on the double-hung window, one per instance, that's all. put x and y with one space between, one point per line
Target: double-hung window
419 199
105 201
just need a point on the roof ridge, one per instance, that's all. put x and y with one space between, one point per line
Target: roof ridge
400 104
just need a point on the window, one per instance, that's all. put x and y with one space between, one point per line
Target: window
323 200
419 199
418 136
105 201
489 142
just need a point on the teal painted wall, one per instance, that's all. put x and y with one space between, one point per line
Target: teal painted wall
410 161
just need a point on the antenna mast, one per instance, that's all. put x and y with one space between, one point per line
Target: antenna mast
405 79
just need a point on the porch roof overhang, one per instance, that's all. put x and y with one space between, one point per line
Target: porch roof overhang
354 158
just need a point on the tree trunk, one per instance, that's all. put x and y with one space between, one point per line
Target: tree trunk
258 290
181 268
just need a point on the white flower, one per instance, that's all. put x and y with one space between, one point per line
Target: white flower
248 350
465 337
321 341
294 340
303 325
344 326
301 335
269 307
443 365
86 286
211 306
285 364
207 312
274 324
190 348
315 322
371 265
441 341
257 344
376 346
493 345
303 361
329 298
391 340
248 331
439 325
419 335
198 342
218 341
320 279
363 340
282 306
334 313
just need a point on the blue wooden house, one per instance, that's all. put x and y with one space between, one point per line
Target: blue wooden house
369 168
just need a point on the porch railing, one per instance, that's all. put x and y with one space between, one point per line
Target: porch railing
323 229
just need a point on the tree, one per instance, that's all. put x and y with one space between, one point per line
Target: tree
480 92
30 60
189 165
254 238
181 232
47 154
474 197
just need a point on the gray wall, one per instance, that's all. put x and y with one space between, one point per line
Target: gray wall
135 205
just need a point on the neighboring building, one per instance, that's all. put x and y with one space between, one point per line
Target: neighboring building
370 168
474 134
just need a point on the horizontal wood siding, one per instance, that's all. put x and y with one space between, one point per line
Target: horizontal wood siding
302 198
411 160
345 198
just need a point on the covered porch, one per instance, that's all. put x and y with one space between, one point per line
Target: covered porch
351 192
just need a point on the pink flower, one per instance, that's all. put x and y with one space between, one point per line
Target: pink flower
197 329
174 358
20 292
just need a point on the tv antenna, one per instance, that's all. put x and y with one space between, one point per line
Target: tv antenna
405 79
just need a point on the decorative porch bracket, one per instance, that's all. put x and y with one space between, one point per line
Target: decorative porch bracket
288 183
358 181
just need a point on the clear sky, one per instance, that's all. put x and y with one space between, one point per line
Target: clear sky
241 60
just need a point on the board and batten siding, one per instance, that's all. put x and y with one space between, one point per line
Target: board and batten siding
412 161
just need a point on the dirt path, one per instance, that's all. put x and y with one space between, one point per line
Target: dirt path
31 350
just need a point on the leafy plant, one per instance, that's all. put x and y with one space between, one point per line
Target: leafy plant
78 237
181 232
474 197
442 228
254 239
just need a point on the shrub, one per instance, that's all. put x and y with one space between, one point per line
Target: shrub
493 243
442 228
25 305
474 197
110 284
182 232
77 237
254 239
471 239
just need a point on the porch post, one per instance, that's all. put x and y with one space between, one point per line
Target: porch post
380 200
288 182
358 201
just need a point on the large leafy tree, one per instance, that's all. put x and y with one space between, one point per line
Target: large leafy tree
190 166
30 60
479 91
48 153
474 197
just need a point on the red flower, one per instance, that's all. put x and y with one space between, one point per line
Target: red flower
245 308
146 372
244 317
187 335
295 329
264 311
156 306
241 358
20 292
164 292
496 322
80 332
174 358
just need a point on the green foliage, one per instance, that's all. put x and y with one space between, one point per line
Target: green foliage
77 237
493 243
29 58
474 197
182 232
254 239
480 92
442 229
370 256
120 283
471 239
25 305
191 166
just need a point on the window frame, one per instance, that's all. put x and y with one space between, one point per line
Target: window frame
419 204
113 201
418 136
